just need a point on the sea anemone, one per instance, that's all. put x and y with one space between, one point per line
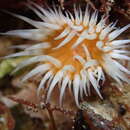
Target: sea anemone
72 51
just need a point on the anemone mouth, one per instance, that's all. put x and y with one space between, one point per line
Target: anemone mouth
72 51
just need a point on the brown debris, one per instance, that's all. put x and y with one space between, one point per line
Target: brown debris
6 119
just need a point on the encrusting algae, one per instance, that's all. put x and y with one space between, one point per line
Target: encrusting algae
73 51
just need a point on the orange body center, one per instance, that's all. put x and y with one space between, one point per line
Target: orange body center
66 53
